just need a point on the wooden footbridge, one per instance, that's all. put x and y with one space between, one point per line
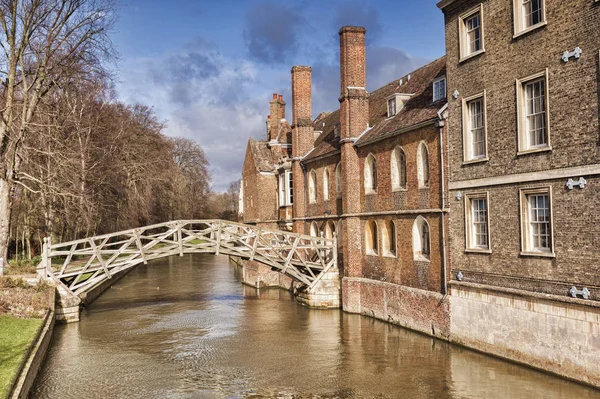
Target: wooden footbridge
78 266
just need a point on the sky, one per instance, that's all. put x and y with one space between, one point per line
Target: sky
209 68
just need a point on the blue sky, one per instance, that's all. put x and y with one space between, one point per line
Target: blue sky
208 68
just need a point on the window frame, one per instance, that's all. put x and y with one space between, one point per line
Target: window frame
388 239
466 124
522 133
338 180
436 81
518 26
374 244
417 239
526 245
464 50
312 181
398 153
422 166
391 100
326 184
469 244
371 171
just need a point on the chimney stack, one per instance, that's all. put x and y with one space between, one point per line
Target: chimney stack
274 119
354 118
302 138
281 106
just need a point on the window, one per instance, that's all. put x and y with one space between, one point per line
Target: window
314 229
336 130
439 89
326 184
477 222
471 32
391 107
536 221
371 238
529 15
329 229
533 114
474 128
398 169
421 240
370 174
423 165
312 187
338 180
285 188
388 239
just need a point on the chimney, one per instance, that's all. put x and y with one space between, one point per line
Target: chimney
274 119
281 106
302 140
354 99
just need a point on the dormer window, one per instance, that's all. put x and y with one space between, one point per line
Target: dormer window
439 89
396 102
391 107
336 130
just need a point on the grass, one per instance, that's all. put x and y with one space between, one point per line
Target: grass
16 335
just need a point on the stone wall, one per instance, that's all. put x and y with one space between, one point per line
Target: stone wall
555 334
420 310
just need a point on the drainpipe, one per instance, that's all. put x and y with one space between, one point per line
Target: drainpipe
441 124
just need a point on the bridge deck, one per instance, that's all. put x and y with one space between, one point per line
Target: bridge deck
80 265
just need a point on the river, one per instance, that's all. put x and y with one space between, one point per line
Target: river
185 327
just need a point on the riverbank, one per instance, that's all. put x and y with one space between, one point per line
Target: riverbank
24 309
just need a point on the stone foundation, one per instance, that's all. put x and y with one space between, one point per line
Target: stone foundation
556 334
424 311
66 307
324 295
258 275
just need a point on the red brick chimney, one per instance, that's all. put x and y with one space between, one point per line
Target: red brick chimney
302 136
354 117
281 106
274 119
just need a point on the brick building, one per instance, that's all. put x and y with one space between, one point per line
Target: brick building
370 173
524 179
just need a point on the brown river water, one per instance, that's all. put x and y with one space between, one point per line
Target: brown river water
187 328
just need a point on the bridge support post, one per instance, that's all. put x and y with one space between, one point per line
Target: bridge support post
326 294
44 265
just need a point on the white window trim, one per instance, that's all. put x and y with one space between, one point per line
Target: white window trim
521 104
518 29
445 88
466 125
462 31
390 114
312 199
421 166
326 177
386 252
526 249
396 152
375 250
370 190
288 189
468 223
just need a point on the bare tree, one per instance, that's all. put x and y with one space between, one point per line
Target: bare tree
45 44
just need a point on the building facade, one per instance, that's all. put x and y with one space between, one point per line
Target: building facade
524 180
463 195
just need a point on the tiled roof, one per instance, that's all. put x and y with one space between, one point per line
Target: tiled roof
263 157
419 108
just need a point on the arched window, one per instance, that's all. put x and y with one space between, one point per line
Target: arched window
398 168
423 165
326 184
312 186
388 239
420 239
314 229
371 238
329 230
338 180
370 174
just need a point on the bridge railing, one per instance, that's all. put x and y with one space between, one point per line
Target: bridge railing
81 264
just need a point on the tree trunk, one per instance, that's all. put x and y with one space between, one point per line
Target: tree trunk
5 209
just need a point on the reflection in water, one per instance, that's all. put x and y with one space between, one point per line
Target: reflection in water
186 328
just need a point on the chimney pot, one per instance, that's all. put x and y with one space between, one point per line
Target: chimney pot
274 96
280 97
